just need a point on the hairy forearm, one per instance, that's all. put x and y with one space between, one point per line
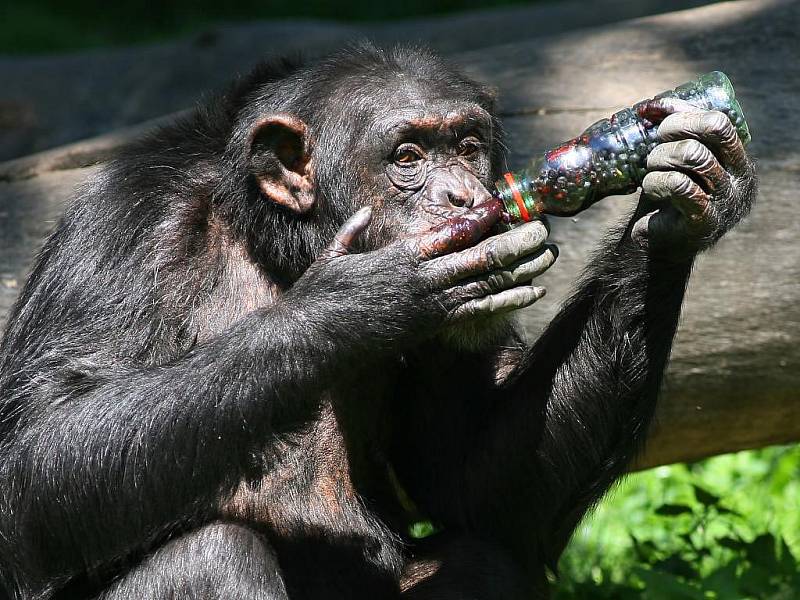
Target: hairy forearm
580 406
165 439
522 463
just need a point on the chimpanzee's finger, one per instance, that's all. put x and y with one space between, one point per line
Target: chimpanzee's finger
503 302
713 129
694 159
679 189
459 232
347 234
662 224
519 273
658 109
494 253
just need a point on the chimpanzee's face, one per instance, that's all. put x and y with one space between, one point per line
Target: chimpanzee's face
437 163
431 163
418 152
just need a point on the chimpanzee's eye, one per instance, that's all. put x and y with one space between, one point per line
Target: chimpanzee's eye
469 147
407 154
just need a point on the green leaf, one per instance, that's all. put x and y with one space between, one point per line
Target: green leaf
728 511
663 586
421 529
705 497
676 565
687 538
673 510
645 551
731 543
723 582
761 552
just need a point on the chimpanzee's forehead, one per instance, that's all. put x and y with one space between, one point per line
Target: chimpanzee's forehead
423 103
394 94
380 103
433 117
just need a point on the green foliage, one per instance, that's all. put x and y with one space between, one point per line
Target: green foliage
727 528
53 25
421 529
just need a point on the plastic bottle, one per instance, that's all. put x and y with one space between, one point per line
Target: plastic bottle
609 158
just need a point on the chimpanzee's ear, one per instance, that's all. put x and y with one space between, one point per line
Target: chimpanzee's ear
280 161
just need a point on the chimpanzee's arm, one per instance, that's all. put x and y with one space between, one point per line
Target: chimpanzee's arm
101 454
531 458
113 456
572 421
526 461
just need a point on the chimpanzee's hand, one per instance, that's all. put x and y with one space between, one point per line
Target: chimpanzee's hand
492 277
441 275
700 183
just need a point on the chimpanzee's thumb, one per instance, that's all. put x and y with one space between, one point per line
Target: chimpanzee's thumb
347 234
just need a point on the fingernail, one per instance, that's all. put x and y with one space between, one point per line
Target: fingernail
540 292
363 216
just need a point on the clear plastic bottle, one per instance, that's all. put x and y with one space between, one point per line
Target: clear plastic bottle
609 158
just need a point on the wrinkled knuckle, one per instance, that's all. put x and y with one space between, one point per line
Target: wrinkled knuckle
465 310
495 282
404 250
426 270
409 257
671 122
478 289
693 153
656 156
452 271
539 231
529 238
491 255
550 257
650 182
525 244
452 298
718 123
679 183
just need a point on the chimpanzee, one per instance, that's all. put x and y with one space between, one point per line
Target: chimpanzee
265 339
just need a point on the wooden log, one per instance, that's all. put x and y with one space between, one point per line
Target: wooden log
734 378
103 90
735 372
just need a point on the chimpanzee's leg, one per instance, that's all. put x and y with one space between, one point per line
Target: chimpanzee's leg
219 560
461 568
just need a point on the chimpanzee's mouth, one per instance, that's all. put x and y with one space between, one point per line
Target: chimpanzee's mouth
441 213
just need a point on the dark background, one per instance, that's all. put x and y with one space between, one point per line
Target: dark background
53 25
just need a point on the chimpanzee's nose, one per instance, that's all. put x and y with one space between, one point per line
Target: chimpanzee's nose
452 193
460 197
458 190
467 192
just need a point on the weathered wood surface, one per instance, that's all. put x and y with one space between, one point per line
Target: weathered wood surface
47 101
734 379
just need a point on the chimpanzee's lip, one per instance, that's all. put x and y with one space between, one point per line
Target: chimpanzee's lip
436 214
442 213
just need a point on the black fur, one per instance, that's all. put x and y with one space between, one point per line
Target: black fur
164 433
